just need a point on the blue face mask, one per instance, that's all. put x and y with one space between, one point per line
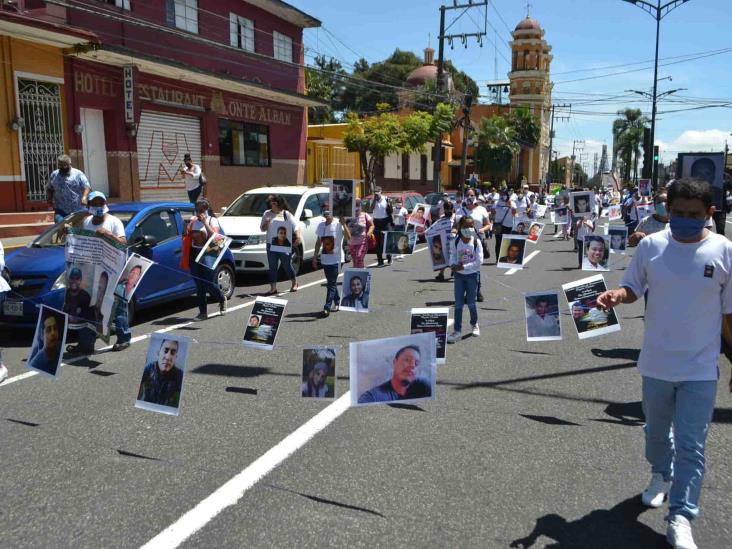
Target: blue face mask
686 228
661 210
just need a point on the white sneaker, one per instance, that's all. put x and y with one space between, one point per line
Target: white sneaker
678 533
3 373
655 494
476 331
454 337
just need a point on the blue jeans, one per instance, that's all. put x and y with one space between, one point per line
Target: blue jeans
466 290
331 276
205 279
194 194
58 215
678 453
87 337
274 259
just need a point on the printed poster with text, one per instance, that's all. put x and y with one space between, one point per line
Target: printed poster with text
432 319
94 263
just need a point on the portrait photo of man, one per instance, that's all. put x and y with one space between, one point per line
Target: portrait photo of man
96 311
404 384
437 252
596 253
512 253
162 378
342 198
579 316
127 285
535 232
618 240
48 342
542 317
77 300
357 296
328 245
582 203
281 238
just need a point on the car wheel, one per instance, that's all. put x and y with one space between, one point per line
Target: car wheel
226 279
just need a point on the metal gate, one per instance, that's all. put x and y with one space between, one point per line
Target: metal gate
42 133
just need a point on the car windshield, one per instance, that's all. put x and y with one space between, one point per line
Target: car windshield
55 236
255 204
433 199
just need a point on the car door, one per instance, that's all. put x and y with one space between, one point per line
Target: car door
315 203
164 278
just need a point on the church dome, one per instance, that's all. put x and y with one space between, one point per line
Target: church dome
528 24
421 75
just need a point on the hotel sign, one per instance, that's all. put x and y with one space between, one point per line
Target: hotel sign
128 91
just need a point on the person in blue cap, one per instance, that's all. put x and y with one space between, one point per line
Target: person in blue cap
103 223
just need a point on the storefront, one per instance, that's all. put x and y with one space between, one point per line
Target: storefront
32 114
141 123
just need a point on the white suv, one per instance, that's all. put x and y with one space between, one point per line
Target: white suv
241 222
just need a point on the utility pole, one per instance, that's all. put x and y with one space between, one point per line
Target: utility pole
658 11
575 148
465 123
437 151
595 164
551 137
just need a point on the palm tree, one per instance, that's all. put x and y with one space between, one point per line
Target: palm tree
628 133
497 144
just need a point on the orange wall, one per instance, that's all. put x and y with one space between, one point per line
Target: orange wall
26 57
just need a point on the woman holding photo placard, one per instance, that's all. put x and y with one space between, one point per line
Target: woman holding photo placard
201 227
278 210
466 257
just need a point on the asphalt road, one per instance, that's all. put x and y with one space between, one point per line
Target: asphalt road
527 444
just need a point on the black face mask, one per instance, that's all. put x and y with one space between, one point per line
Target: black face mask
65 171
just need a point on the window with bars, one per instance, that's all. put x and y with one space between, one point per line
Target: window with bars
241 31
282 47
243 144
182 14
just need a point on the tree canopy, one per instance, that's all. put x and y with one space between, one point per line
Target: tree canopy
369 85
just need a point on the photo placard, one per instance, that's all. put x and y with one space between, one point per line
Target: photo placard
161 386
432 320
589 321
541 310
263 323
318 373
49 342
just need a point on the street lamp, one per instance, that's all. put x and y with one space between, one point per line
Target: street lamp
657 11
465 122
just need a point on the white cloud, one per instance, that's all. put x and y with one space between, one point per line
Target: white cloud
694 141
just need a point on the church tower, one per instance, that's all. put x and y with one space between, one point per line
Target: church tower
531 87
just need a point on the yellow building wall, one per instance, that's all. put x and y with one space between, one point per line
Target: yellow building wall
33 59
327 157
21 56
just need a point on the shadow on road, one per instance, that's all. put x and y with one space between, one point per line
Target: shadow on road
318 499
600 529
230 370
619 354
550 420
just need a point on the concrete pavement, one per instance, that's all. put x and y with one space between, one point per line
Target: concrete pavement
526 444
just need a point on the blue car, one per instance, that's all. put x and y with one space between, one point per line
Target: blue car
153 230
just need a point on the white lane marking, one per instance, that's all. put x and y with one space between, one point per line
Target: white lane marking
526 260
234 489
18 378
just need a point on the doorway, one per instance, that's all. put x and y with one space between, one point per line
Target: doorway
94 149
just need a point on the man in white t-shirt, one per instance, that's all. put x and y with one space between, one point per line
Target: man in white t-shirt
192 175
382 223
688 273
104 223
330 238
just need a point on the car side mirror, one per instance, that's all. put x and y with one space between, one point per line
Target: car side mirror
306 214
223 209
147 241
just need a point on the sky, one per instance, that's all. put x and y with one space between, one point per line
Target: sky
595 45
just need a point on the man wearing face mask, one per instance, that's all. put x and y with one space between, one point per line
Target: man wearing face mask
382 222
67 189
688 273
103 223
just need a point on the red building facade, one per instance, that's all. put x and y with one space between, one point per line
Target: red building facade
222 80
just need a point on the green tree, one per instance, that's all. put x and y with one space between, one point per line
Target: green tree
497 145
376 137
325 81
628 133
